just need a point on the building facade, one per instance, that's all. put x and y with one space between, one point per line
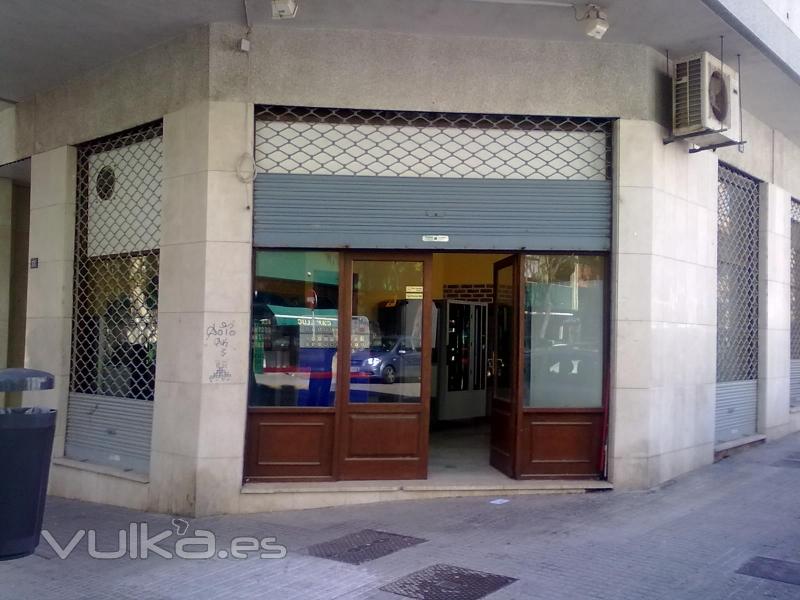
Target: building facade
284 278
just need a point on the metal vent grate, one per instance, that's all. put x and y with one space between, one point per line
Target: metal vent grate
118 229
363 546
737 276
325 141
448 582
688 94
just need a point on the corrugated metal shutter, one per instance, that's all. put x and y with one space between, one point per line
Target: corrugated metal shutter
795 383
334 211
110 431
737 409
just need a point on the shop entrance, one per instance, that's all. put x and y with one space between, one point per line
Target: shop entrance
412 366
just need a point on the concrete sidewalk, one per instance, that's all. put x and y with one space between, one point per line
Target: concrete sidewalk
686 540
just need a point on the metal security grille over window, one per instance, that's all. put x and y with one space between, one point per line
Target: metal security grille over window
737 304
326 141
115 310
443 180
795 303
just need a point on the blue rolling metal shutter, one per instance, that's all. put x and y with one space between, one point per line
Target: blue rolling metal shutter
344 211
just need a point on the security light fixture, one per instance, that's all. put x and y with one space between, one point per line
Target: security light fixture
284 9
596 22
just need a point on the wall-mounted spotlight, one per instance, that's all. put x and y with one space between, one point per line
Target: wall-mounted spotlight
284 9
596 22
596 19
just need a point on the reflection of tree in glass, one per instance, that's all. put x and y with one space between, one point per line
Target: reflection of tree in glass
547 269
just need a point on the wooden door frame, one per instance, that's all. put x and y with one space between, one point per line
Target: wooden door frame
343 404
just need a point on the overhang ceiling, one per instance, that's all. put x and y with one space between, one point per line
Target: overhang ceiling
43 43
18 172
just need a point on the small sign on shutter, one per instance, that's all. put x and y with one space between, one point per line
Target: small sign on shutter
435 238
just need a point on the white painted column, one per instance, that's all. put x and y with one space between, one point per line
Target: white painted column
664 308
6 192
48 328
204 310
774 321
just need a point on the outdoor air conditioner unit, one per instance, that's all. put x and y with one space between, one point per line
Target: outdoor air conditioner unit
705 101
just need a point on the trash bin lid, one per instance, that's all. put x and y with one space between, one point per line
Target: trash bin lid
25 380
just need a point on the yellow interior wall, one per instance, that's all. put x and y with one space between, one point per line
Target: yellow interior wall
462 268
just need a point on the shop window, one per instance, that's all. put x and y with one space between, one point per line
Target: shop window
295 328
564 331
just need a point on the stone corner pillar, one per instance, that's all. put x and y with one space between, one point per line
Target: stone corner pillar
663 322
774 322
204 310
48 330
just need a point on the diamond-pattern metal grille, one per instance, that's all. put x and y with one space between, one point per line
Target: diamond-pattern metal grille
795 280
737 276
325 141
118 229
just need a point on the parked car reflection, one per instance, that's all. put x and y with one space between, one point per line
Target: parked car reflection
390 359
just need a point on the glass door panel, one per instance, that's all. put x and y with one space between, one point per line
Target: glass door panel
563 331
504 316
563 366
386 353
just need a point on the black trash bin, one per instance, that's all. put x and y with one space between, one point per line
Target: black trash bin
26 444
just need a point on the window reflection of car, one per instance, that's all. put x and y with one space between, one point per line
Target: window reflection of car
389 358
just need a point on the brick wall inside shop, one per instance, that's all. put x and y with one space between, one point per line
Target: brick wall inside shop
472 292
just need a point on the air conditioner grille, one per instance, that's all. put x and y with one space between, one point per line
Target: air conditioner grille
688 94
